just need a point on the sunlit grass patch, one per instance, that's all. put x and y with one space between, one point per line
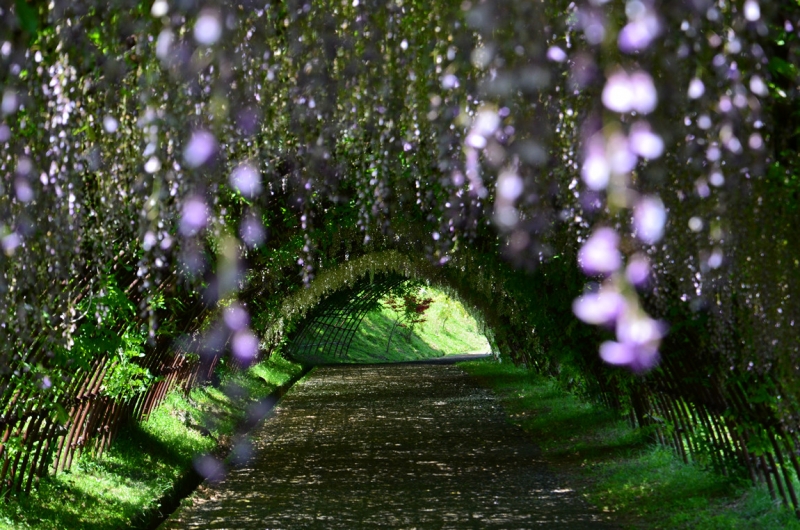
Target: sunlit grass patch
111 491
448 329
619 469
123 488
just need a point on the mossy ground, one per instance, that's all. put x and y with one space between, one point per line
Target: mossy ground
644 485
124 486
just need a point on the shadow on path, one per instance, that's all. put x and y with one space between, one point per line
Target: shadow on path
400 446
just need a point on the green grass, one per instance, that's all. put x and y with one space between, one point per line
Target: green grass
620 470
448 329
123 487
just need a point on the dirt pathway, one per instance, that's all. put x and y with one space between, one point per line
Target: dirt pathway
410 446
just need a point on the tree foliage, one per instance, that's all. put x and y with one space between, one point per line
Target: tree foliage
230 164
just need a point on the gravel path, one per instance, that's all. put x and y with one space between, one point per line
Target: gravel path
391 446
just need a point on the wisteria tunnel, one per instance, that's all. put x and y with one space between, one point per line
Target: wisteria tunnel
611 188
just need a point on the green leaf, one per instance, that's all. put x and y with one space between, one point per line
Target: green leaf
61 414
27 16
778 66
94 36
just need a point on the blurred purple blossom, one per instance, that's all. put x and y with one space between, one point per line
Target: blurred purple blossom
10 101
625 93
110 124
638 270
164 44
476 141
599 308
617 94
641 336
208 28
509 186
636 358
449 81
639 329
599 255
194 216
615 353
10 243
596 170
209 468
638 339
247 180
758 87
252 232
485 124
696 88
645 97
149 240
244 345
715 259
594 25
649 218
152 165
639 33
620 156
23 189
236 317
159 8
556 54
752 11
201 146
644 142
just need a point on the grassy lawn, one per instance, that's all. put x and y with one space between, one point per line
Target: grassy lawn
448 329
124 487
644 485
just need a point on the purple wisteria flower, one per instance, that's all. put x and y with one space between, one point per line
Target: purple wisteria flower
596 170
637 359
600 255
644 142
599 308
556 54
626 93
252 232
194 216
636 347
639 33
199 149
649 217
247 180
638 270
696 88
244 345
236 317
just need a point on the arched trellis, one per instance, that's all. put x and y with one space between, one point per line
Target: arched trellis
723 386
332 325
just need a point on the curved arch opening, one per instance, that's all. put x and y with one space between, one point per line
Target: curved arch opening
383 319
